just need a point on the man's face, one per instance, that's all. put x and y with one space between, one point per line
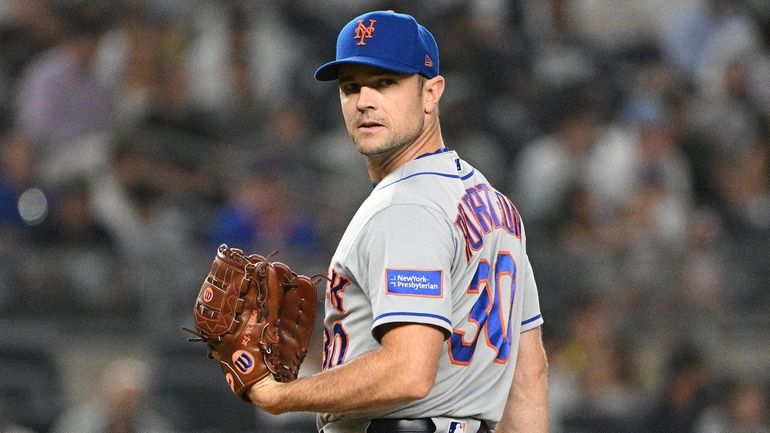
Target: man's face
383 110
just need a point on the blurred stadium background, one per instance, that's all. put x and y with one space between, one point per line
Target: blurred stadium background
137 135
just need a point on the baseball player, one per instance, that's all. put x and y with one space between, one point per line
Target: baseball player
432 317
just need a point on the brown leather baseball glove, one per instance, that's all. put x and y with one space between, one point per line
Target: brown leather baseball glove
256 316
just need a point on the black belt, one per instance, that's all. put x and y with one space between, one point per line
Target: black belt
422 425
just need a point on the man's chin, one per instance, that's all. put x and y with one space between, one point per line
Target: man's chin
371 150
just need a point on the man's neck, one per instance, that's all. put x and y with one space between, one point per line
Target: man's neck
428 142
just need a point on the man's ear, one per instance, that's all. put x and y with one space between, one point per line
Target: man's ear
432 90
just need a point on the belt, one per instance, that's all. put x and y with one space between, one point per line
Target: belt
385 425
421 425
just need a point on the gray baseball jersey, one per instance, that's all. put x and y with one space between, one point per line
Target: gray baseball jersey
434 243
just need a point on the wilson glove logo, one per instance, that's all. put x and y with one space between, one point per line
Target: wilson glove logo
208 295
243 361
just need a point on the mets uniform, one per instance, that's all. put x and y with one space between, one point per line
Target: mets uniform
434 243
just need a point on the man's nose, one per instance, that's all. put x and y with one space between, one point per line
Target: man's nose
367 98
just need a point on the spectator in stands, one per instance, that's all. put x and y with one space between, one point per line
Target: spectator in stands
742 410
554 164
61 97
704 269
120 404
155 242
85 279
681 401
131 56
18 165
261 216
608 392
743 184
71 221
704 35
589 330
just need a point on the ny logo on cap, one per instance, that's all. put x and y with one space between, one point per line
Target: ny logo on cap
363 32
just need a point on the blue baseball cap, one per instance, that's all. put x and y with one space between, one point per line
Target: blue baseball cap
384 39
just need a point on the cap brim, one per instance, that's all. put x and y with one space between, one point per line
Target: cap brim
330 71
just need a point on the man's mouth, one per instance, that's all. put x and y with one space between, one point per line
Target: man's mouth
369 125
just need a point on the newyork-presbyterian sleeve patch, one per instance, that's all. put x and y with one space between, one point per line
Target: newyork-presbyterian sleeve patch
410 282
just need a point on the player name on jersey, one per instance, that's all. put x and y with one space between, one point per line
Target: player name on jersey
481 210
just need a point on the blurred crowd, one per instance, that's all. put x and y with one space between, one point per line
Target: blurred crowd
138 135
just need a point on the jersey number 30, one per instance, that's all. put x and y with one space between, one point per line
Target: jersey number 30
488 311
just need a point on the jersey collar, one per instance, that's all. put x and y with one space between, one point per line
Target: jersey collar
442 150
445 164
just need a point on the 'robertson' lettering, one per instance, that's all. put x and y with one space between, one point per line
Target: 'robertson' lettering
482 210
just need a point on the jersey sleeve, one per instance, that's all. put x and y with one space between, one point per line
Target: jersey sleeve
410 250
531 316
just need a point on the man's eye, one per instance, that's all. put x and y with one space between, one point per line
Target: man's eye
385 82
350 88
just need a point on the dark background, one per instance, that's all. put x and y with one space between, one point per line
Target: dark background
136 136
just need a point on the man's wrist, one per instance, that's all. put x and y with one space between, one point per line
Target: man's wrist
266 394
